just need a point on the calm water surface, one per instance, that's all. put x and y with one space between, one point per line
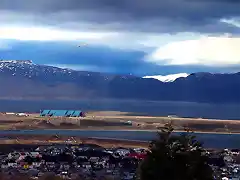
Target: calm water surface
153 108
210 140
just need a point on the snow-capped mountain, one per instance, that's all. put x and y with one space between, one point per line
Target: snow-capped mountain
168 78
27 68
26 80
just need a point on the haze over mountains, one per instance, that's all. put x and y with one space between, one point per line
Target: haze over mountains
25 80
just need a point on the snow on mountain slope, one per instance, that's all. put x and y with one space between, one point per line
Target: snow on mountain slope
168 78
28 69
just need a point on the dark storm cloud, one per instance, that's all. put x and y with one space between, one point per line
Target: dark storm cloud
134 15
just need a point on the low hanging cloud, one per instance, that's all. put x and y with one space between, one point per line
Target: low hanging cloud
210 51
205 50
48 34
233 22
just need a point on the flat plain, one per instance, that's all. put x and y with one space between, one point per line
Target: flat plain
115 120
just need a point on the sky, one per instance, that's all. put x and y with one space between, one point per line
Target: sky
139 37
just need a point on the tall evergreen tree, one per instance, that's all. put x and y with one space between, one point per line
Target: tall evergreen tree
175 157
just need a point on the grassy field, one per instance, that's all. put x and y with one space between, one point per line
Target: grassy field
118 120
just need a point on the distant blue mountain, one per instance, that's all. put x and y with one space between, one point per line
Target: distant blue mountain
25 80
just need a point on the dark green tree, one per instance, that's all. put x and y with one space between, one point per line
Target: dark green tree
175 157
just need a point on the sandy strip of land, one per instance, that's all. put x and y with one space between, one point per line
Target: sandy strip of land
48 140
124 115
146 130
114 120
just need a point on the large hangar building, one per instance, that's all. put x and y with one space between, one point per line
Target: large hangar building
62 113
58 117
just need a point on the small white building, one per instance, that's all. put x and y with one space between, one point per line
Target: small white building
22 114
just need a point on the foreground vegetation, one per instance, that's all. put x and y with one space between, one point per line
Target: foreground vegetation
175 157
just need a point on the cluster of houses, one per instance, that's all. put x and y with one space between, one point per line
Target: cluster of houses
225 163
95 162
84 160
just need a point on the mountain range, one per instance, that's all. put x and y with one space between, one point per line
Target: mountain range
26 80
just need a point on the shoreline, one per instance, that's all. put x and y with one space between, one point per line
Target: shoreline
51 140
58 138
119 130
47 140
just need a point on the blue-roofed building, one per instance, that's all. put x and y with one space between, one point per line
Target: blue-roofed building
69 113
62 113
44 112
76 113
